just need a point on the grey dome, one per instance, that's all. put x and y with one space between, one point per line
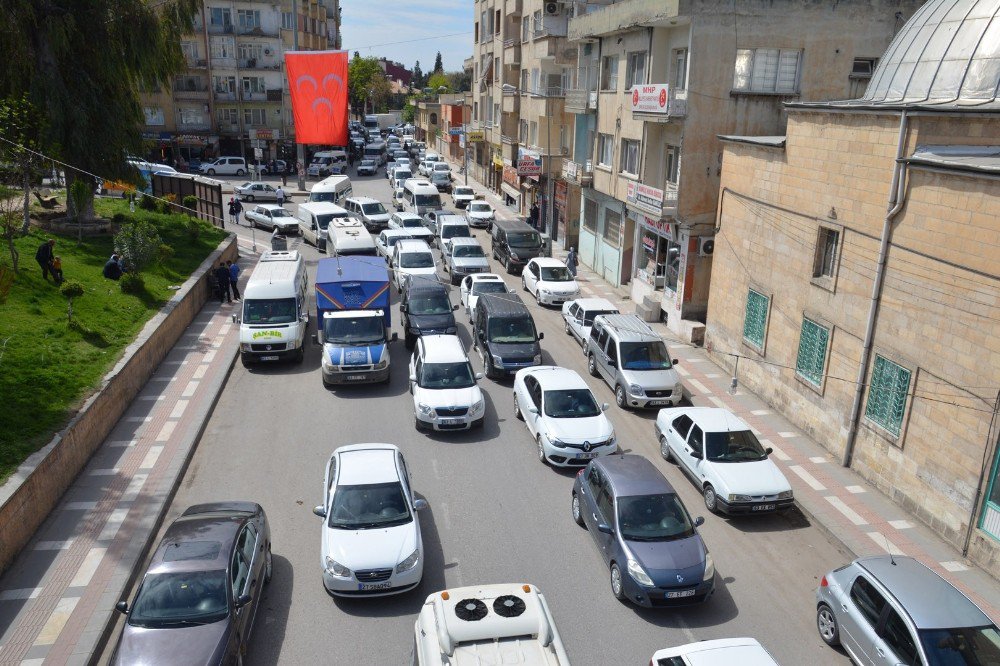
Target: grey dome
948 53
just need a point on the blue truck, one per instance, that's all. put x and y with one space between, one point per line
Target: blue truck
353 320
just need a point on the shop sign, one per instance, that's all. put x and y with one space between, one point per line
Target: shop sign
651 99
529 165
497 161
510 176
658 226
265 134
644 197
569 170
476 136
561 194
649 242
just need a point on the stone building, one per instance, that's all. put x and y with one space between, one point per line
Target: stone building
856 274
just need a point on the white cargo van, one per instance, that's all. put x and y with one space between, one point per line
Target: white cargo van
327 162
332 190
275 312
348 235
421 197
314 218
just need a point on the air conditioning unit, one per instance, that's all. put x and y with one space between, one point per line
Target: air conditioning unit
552 8
706 246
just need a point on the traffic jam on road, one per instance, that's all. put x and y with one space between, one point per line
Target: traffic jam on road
415 259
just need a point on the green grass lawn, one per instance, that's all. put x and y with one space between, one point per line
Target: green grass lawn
47 365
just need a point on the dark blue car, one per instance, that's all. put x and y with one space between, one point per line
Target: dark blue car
652 547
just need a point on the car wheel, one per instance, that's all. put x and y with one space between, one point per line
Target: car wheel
301 354
566 328
517 410
665 450
617 587
577 514
240 172
541 450
592 365
211 172
249 197
826 622
268 567
524 284
711 500
621 399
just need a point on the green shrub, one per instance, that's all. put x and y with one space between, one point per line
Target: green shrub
147 202
71 290
119 219
194 229
132 283
164 253
139 244
191 203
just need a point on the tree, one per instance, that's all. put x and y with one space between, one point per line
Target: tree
438 66
417 82
78 196
366 83
139 245
409 110
460 81
438 80
71 290
21 124
83 65
10 227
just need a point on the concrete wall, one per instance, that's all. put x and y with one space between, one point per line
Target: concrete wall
33 491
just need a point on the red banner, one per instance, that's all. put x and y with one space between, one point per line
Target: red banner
318 82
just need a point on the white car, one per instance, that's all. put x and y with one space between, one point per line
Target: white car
412 258
476 285
445 393
398 199
462 196
256 191
578 316
400 175
480 214
562 414
549 281
450 227
387 239
742 651
270 216
370 543
401 220
721 454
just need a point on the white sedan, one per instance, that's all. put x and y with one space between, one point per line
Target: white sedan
742 651
474 286
480 214
387 239
562 414
270 216
579 314
723 457
370 543
256 191
549 281
445 393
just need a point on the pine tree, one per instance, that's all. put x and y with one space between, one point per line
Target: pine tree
438 67
417 82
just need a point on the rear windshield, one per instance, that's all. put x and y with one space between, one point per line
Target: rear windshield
411 222
428 199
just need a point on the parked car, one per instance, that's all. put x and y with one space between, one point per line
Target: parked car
445 393
466 258
425 309
549 281
370 542
474 286
367 168
256 191
412 258
724 458
649 542
278 167
631 359
224 166
270 216
890 609
199 597
462 196
736 651
563 416
480 214
578 316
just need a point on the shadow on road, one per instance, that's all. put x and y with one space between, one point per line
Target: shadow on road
718 609
272 620
782 521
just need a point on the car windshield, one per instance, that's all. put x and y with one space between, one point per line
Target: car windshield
402 173
369 506
512 331
570 404
373 208
354 331
468 251
269 311
524 239
588 316
645 356
964 646
181 599
430 304
480 208
463 191
489 287
416 260
733 446
556 274
446 376
653 518
455 231
427 200
440 166
324 220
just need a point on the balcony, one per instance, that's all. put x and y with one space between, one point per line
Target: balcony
580 174
197 63
512 52
256 31
609 20
581 101
256 96
511 103
199 93
217 29
224 96
275 94
194 126
260 63
223 63
512 8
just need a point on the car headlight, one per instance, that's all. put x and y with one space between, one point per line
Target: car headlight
709 567
498 361
245 346
635 389
478 406
426 410
556 443
537 359
636 571
335 568
785 494
451 330
513 255
409 562
384 363
740 498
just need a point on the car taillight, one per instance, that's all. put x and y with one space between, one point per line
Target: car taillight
823 582
579 472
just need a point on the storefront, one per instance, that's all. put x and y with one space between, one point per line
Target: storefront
496 175
510 187
606 237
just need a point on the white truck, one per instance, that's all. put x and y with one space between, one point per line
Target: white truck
275 311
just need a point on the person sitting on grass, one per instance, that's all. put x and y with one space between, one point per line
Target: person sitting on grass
113 268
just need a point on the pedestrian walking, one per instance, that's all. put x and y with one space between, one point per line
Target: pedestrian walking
113 268
239 211
232 211
234 276
56 269
222 277
571 261
280 195
44 257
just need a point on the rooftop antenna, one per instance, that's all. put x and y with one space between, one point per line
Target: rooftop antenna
888 547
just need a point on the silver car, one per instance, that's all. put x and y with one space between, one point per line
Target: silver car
466 257
894 610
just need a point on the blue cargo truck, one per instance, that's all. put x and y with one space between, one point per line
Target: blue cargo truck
353 320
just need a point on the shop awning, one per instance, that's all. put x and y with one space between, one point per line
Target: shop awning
510 191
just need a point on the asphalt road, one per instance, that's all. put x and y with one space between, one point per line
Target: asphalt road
496 515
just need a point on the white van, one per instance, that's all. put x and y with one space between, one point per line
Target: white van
347 235
327 162
314 218
375 151
224 166
275 313
421 197
332 190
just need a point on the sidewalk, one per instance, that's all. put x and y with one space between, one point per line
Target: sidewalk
835 499
58 598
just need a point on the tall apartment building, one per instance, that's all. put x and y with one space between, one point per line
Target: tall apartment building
235 90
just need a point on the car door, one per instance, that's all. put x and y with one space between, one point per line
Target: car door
601 355
415 364
530 275
268 192
576 314
239 571
894 643
606 516
329 477
464 293
589 489
532 399
251 545
858 617
695 444
677 435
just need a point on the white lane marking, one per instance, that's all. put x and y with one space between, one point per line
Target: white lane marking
104 472
807 477
848 512
123 442
760 412
200 371
115 521
209 356
786 435
134 486
781 455
190 389
152 397
717 402
166 431
698 385
179 409
57 620
53 545
151 457
86 571
434 466
79 506
954 567
681 371
225 328
819 460
139 419
22 593
901 524
883 543
854 490
218 342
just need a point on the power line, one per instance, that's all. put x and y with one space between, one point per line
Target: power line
407 41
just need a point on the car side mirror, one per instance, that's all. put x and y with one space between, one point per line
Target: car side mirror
304 318
395 336
313 226
541 336
675 361
413 378
769 450
479 375
454 307
605 407
320 511
419 504
612 363
243 600
697 455
533 410
604 528
402 307
699 521
122 607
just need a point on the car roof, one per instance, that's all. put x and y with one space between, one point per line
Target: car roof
425 286
548 262
270 206
322 207
554 378
628 328
632 474
721 652
452 219
443 349
407 216
211 527
413 245
392 233
362 464
513 225
464 240
484 277
503 304
363 199
930 601
714 419
595 304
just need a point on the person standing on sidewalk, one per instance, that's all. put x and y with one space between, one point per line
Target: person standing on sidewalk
533 215
280 195
234 276
571 261
222 277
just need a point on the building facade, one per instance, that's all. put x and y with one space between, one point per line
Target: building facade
855 274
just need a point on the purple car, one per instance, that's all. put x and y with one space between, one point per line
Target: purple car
198 599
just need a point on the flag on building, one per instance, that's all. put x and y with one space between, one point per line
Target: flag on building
318 84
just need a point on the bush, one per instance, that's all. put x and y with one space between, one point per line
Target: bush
132 283
139 245
119 220
166 204
147 202
194 229
191 203
163 253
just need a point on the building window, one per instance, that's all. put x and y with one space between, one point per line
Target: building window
287 21
190 51
612 228
533 133
220 16
861 75
525 28
609 73
890 384
755 321
679 79
605 149
248 18
496 23
475 111
253 84
250 52
223 47
224 84
154 115
630 157
227 116
522 132
635 69
254 117
191 115
811 359
672 168
767 70
590 215
524 81
825 262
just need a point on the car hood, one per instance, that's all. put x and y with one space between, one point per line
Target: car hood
478 215
430 271
378 548
665 560
760 477
197 646
570 287
466 262
575 431
432 321
652 379
379 217
447 398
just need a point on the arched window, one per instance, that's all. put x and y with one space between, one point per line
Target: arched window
434 119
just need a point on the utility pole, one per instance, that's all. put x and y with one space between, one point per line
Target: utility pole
465 151
549 203
300 150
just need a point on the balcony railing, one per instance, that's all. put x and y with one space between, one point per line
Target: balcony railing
217 29
197 63
224 63
194 125
509 140
256 31
258 96
580 173
259 63
581 101
224 96
275 94
547 91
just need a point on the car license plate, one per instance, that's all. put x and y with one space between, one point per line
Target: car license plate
374 586
355 378
446 422
586 456
269 358
762 507
657 403
680 594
